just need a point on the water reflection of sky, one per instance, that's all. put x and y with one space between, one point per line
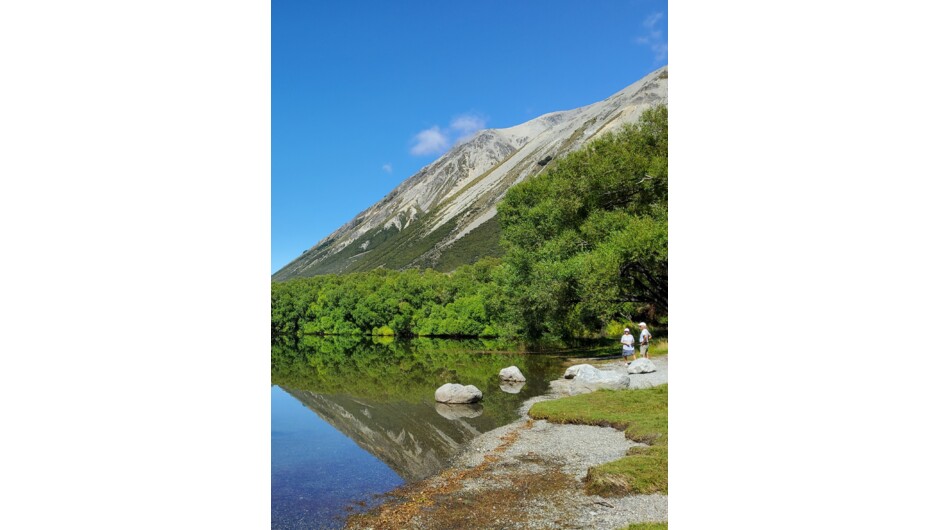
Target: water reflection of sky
316 471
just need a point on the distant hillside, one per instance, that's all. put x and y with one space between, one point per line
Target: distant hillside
445 215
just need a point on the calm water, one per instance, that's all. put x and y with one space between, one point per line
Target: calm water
352 419
316 470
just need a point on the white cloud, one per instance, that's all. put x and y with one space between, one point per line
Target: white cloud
654 37
387 168
435 140
467 124
652 20
429 141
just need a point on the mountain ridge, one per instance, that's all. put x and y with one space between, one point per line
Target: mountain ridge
425 220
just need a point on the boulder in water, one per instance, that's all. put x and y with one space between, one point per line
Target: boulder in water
454 393
511 374
511 387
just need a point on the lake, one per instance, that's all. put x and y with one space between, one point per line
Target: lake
352 418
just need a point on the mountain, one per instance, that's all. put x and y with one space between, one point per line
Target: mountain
445 215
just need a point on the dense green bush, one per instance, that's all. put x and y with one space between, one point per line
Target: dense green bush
467 302
587 241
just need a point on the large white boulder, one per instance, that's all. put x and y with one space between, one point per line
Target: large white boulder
511 374
454 393
573 371
586 378
587 373
641 366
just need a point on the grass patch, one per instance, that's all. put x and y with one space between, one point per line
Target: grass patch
658 348
643 470
647 526
643 416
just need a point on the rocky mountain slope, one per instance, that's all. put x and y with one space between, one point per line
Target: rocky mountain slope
445 215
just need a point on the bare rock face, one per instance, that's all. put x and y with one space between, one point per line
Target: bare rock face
511 374
454 393
641 366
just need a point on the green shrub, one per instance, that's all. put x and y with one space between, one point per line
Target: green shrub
384 330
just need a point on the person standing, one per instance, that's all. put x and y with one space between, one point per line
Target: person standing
645 338
627 341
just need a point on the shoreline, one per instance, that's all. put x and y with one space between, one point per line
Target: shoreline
526 474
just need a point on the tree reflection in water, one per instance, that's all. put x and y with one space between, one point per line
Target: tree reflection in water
379 392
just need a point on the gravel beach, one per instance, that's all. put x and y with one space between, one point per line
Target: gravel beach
527 475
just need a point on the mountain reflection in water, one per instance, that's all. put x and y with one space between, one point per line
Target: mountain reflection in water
380 393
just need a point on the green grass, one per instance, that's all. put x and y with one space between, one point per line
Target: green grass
658 347
647 526
643 416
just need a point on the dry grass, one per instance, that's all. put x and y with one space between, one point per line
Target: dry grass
658 347
499 507
437 503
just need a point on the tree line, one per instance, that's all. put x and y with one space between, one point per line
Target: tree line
586 250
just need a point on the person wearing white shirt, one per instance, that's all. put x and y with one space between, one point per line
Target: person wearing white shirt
627 341
645 338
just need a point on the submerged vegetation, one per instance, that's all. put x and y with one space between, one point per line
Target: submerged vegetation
584 251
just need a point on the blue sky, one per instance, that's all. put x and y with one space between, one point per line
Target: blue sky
364 94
